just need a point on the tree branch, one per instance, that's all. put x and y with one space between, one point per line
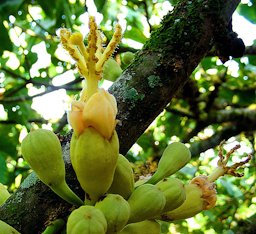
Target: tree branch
49 88
242 115
142 92
17 122
52 34
147 15
231 129
250 50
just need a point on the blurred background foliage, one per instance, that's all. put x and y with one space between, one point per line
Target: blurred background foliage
37 82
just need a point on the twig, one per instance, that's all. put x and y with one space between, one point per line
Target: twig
30 121
13 74
226 132
36 83
249 50
214 94
26 98
145 6
41 26
179 112
25 30
61 123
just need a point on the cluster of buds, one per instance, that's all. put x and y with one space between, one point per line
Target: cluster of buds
201 192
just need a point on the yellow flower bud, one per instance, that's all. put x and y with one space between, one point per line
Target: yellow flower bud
200 195
98 112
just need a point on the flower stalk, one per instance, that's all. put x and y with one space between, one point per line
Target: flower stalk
222 168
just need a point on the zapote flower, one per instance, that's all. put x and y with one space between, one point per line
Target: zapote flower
94 145
96 107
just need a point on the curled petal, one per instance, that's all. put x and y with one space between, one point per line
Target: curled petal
75 117
100 113
111 100
209 194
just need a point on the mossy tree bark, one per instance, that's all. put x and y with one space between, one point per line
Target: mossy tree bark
159 70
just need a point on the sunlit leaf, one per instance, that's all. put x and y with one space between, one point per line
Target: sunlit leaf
3 170
99 4
248 12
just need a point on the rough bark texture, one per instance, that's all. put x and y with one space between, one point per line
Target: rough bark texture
160 69
247 226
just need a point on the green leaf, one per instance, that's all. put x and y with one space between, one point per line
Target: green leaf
146 141
188 170
252 59
136 35
248 12
49 7
32 57
99 4
31 41
9 141
207 63
3 170
6 43
8 7
237 97
231 189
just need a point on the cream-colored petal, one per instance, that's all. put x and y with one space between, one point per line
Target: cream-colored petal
111 99
75 117
99 113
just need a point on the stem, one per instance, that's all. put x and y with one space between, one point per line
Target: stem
218 172
88 202
92 86
66 193
152 180
54 227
